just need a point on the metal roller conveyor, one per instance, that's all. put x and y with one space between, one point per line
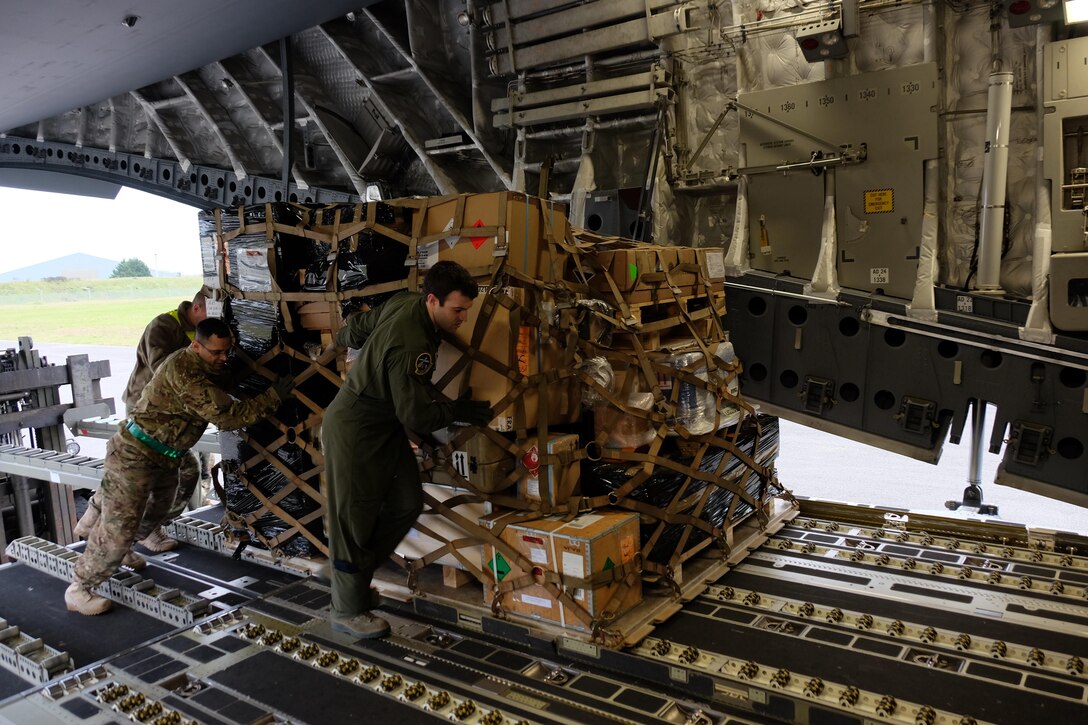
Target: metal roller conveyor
800 630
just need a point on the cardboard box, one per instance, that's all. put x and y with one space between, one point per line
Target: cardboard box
483 463
696 266
509 224
626 267
519 348
417 544
589 544
561 480
315 316
712 263
643 267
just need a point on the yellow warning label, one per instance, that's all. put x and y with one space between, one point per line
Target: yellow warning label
879 201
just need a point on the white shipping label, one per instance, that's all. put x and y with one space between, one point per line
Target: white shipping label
451 240
427 255
964 303
715 265
582 521
253 274
214 307
574 564
535 601
460 463
502 424
538 556
532 488
878 275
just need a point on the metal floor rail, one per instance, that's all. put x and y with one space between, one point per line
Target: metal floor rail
107 426
54 466
168 604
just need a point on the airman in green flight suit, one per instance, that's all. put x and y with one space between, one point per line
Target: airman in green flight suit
372 479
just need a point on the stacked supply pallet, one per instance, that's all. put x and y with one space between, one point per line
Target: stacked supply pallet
662 459
620 447
288 275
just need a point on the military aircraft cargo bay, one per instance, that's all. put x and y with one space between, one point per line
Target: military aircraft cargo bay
706 362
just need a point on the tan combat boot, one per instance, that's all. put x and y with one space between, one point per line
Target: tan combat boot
363 625
88 520
158 541
81 600
134 561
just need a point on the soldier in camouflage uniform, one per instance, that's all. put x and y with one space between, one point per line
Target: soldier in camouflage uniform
142 458
165 334
372 480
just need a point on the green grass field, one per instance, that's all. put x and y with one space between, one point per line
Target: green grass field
96 312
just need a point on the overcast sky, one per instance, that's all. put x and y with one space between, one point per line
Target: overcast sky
37 226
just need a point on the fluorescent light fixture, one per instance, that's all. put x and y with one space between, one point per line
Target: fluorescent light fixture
1076 11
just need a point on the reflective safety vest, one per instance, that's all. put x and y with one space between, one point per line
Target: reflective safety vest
191 334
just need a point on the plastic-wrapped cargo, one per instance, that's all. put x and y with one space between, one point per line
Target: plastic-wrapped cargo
254 323
265 477
696 408
209 262
369 260
246 474
363 259
716 505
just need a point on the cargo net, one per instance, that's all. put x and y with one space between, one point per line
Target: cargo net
711 508
648 360
615 344
288 274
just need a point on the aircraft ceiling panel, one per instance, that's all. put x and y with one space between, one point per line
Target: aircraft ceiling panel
65 54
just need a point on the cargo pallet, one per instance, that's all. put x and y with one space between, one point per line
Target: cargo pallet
659 602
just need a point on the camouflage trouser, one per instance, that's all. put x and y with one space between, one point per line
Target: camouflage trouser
188 476
136 492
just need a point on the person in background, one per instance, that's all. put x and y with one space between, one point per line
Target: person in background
144 456
372 480
167 333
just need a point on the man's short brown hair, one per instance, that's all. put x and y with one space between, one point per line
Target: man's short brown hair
446 277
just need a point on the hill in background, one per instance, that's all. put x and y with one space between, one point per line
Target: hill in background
72 266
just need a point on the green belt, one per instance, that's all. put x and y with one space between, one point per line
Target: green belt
139 434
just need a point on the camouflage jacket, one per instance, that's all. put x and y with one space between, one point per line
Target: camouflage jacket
184 396
398 345
166 333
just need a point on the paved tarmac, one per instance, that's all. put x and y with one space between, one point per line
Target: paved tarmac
810 463
820 465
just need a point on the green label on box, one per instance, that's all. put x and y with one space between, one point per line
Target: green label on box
609 564
632 269
499 565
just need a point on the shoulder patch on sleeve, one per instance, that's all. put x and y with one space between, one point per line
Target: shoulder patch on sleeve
423 364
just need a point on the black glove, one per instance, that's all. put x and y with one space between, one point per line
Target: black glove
283 387
473 412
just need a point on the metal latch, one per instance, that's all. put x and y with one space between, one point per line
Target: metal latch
817 394
916 415
1030 442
